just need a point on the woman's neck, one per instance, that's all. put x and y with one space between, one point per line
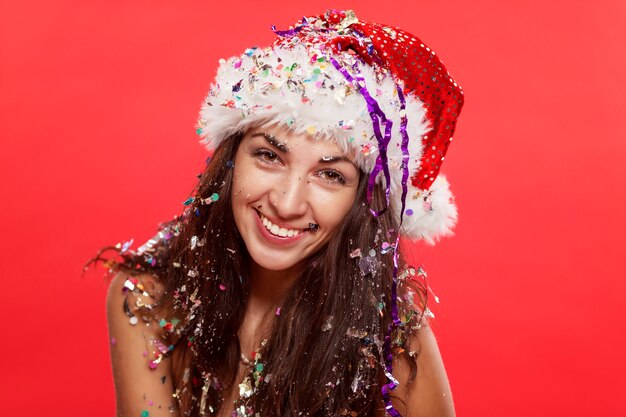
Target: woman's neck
267 290
267 287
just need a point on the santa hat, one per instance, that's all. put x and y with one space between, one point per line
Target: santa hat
376 90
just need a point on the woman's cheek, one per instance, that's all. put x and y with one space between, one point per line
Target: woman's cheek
331 207
244 177
251 183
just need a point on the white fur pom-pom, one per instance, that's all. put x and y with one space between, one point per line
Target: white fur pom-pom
429 214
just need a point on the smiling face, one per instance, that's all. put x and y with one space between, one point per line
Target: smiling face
290 193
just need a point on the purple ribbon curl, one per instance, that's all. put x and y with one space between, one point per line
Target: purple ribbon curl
378 118
290 32
382 164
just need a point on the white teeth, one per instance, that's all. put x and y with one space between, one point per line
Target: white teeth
278 231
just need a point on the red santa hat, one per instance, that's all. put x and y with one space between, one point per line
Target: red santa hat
376 90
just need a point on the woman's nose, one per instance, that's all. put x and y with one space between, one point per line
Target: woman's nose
290 198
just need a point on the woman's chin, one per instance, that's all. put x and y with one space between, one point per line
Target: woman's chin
272 258
273 263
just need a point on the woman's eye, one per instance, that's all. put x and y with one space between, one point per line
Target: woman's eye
332 176
265 155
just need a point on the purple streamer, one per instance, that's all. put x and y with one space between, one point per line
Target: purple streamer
289 33
387 388
382 164
405 177
378 117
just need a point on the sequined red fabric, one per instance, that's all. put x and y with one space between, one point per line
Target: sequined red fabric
414 66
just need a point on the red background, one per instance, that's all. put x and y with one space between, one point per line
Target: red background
98 101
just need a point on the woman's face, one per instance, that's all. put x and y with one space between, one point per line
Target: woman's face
289 194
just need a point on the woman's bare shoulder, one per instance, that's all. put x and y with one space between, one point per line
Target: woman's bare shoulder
428 393
139 350
148 285
138 297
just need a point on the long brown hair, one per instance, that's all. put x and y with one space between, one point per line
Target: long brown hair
323 355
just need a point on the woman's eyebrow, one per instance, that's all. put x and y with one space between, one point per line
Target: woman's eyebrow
272 141
329 159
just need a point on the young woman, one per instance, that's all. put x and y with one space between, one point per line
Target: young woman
280 290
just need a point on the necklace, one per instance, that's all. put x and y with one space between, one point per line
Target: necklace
245 360
255 355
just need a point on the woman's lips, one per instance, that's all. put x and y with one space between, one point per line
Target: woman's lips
279 240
